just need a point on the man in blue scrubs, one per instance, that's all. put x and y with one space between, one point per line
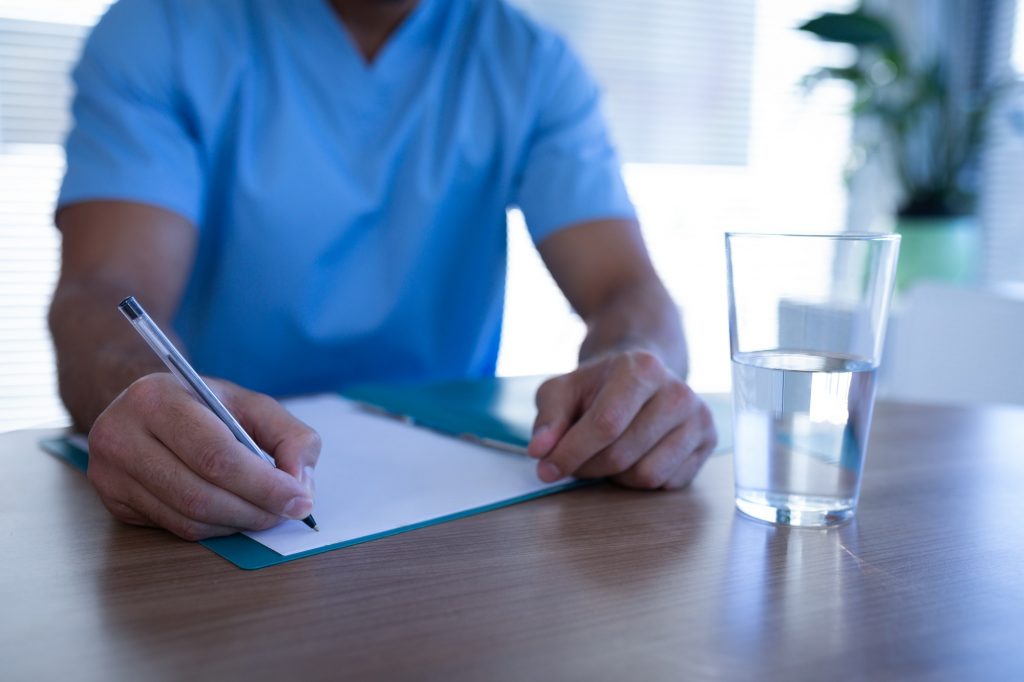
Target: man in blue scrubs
313 193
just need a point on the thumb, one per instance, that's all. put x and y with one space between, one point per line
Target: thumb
557 409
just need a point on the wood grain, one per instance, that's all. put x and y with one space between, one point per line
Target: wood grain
599 583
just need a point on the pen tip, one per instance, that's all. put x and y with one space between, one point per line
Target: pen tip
316 528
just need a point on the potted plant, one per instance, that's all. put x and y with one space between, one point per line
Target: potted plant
926 133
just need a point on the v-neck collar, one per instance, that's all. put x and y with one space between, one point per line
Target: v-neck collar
410 33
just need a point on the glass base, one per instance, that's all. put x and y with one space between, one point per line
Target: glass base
797 510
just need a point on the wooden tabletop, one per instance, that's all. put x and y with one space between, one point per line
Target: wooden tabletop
599 583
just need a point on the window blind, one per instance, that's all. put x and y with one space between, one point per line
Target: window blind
1001 209
39 42
676 73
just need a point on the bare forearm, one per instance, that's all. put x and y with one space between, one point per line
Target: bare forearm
112 249
638 317
626 411
98 352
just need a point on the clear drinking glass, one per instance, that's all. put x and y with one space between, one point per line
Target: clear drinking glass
807 318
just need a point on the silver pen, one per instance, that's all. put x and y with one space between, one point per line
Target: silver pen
180 368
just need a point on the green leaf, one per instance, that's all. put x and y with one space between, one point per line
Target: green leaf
855 28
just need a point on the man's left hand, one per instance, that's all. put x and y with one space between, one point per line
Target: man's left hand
625 416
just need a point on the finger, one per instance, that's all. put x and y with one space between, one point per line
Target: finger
294 446
134 496
129 502
205 445
168 479
658 467
673 405
614 408
689 468
109 489
557 408
152 466
654 469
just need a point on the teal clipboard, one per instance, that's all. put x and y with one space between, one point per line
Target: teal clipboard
498 409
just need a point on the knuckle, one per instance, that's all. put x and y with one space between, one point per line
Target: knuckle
193 503
211 460
677 395
644 363
548 389
609 423
147 393
178 412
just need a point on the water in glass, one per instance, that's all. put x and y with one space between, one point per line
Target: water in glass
801 424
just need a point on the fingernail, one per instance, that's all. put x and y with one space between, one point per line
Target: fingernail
548 472
298 508
542 429
307 480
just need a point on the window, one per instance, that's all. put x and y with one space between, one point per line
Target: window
39 41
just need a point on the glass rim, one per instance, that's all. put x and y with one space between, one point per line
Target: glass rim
837 236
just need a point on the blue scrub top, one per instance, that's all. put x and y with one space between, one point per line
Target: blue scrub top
351 216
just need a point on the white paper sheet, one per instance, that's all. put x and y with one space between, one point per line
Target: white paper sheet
377 474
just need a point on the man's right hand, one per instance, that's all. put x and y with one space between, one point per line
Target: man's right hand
159 457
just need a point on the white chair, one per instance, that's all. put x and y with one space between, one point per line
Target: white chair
951 344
